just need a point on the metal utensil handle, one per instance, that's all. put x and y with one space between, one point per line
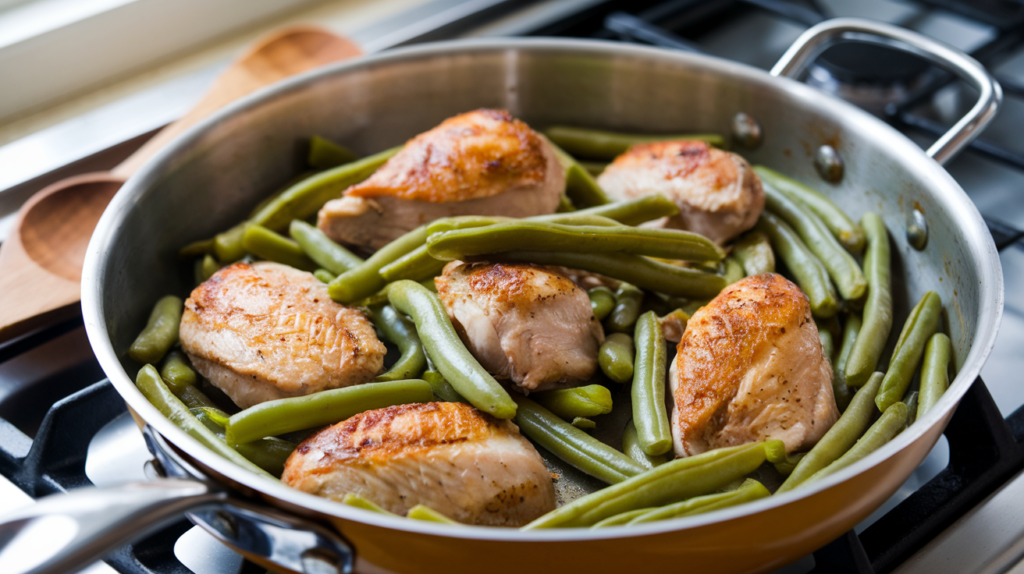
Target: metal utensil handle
814 41
97 520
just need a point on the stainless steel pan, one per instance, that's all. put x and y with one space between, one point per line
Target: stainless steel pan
217 171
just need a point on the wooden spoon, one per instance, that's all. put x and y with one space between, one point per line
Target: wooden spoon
41 260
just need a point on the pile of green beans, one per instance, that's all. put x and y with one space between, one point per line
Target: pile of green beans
892 421
628 300
398 329
749 491
615 357
841 390
631 447
580 187
321 249
841 226
365 279
266 244
808 272
572 444
754 251
671 482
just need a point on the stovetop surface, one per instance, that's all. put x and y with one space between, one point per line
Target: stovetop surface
56 363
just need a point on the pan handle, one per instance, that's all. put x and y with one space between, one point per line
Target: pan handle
67 532
817 39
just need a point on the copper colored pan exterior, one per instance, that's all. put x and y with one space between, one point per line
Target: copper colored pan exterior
215 173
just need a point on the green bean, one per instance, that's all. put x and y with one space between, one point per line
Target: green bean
640 271
885 428
786 467
935 372
398 329
281 416
208 266
270 453
754 252
605 145
840 388
676 480
870 343
352 499
441 388
628 300
615 357
801 263
156 392
196 248
365 279
458 222
602 301
565 204
749 491
544 236
912 404
733 270
588 401
581 187
594 168
920 326
414 265
219 417
841 266
648 391
161 332
572 444
631 447
193 398
266 244
583 423
321 249
621 519
828 346
325 154
423 512
629 212
324 275
447 351
842 227
177 372
307 196
227 246
843 434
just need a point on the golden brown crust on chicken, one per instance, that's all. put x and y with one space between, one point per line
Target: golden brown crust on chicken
467 465
483 162
469 156
523 322
750 366
267 331
718 194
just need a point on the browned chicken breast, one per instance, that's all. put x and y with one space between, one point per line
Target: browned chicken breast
469 466
267 331
718 195
523 322
751 367
479 163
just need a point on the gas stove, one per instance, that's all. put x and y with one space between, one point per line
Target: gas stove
62 426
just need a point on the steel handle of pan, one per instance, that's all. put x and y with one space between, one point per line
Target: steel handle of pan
80 527
817 39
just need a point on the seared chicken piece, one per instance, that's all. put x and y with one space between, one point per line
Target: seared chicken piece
751 367
469 466
479 163
523 322
267 331
718 195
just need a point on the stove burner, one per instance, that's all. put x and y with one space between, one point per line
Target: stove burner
869 75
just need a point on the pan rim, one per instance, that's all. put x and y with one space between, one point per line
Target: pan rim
946 188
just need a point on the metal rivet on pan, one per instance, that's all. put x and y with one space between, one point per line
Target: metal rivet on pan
746 131
917 230
829 164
